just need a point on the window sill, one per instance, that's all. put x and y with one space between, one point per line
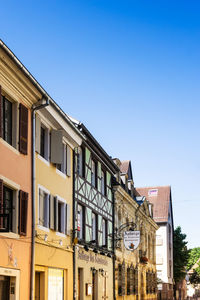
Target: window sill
60 234
61 173
44 160
11 235
12 148
46 229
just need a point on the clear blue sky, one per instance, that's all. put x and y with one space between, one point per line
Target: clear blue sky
130 71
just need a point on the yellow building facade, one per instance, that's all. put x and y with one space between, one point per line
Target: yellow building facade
135 269
55 140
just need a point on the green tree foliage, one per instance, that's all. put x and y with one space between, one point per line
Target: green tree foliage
180 255
195 277
194 255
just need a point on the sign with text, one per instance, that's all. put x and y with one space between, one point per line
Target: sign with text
131 239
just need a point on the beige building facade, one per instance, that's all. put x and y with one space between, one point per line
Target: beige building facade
135 268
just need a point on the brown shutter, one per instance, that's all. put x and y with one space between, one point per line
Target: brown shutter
23 129
1 113
1 203
23 208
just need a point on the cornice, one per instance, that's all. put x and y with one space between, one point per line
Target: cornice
15 83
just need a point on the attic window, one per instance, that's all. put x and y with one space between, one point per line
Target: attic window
153 192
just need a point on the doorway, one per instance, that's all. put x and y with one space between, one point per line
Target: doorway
4 287
80 284
94 285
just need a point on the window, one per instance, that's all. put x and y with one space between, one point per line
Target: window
7 121
104 234
81 222
65 166
81 161
94 173
12 121
94 228
103 182
9 203
43 208
61 217
128 281
44 142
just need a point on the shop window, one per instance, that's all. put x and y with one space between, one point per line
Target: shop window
55 284
81 222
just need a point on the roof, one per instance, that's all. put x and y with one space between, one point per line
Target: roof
160 197
125 168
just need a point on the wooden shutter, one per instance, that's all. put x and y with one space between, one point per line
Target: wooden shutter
68 161
23 209
1 203
56 146
1 115
23 129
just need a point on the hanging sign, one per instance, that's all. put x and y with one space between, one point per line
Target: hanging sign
131 239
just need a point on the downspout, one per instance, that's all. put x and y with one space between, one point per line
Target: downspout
73 231
32 275
113 238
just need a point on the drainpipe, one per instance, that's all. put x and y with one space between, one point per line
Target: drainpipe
40 105
113 239
73 231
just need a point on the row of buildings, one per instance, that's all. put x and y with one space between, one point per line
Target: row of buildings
72 224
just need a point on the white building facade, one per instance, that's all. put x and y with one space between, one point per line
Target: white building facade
161 199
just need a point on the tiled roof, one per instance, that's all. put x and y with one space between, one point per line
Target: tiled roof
159 196
124 166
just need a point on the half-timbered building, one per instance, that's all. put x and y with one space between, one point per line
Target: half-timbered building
93 219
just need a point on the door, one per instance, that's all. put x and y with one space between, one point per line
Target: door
95 285
4 287
80 284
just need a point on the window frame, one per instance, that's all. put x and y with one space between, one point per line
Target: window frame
47 210
94 173
81 236
94 228
105 244
103 183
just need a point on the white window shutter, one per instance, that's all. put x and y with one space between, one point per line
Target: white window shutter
37 133
56 146
68 161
